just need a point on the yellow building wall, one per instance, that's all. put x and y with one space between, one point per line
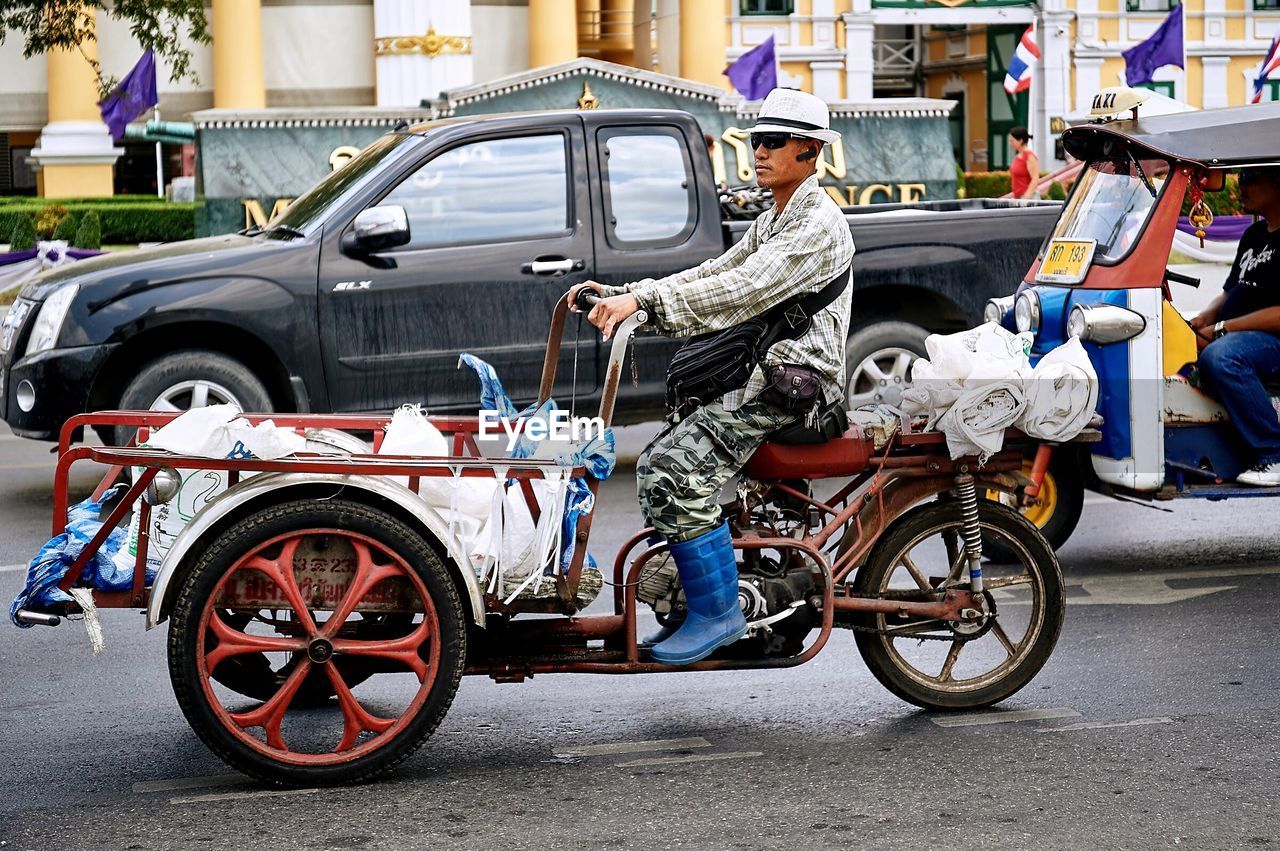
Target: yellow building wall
1109 28
1193 20
1239 92
975 81
1235 23
801 70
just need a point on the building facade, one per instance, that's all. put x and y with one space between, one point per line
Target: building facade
325 54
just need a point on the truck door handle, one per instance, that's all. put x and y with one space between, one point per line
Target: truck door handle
555 267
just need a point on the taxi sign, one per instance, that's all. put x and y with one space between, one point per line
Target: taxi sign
1066 261
1116 100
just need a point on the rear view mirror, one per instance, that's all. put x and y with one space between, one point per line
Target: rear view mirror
1214 180
378 228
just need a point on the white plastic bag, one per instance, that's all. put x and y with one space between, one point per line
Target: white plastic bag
1062 393
975 424
218 431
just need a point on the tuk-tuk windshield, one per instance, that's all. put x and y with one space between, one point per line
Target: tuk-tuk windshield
1111 203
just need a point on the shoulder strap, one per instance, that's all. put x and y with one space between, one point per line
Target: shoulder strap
791 318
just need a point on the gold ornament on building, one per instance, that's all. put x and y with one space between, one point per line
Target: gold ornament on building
588 99
431 45
951 4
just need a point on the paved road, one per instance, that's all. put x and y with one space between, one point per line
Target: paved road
1154 725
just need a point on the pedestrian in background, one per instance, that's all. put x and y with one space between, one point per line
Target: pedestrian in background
1025 169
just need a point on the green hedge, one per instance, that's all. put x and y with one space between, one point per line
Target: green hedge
128 222
986 184
28 200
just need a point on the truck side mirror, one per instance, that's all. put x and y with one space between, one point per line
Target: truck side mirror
378 228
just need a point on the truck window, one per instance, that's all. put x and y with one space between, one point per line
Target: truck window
649 198
497 190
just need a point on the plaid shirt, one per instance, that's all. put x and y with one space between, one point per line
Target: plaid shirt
779 256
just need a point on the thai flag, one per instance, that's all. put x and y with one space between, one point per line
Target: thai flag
1270 65
1018 77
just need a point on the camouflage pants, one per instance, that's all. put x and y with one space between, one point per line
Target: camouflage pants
680 474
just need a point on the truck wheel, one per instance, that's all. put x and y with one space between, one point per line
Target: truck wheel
192 379
1057 508
309 574
878 361
943 665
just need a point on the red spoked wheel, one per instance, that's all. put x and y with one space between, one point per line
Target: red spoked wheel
356 618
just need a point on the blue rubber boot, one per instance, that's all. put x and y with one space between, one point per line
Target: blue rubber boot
709 577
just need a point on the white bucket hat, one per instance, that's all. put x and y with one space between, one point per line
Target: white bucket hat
795 112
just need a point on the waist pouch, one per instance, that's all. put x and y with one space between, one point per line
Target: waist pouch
828 423
711 365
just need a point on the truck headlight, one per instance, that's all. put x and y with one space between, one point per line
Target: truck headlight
996 309
44 334
1104 323
1026 312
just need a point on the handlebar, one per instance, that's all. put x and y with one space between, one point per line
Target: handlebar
586 299
622 335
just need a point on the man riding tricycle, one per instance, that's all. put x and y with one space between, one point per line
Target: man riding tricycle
1188 405
324 607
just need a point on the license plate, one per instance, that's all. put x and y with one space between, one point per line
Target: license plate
1067 261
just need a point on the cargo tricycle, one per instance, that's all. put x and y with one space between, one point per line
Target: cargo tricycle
321 614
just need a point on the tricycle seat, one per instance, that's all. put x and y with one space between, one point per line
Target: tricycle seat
846 455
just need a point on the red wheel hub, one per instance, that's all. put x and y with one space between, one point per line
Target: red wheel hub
313 582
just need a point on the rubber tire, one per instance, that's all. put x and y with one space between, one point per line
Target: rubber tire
1068 478
917 521
190 365
869 339
212 563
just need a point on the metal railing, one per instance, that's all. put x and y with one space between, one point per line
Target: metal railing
895 55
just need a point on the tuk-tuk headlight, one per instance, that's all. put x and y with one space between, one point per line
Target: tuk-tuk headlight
1104 323
1026 312
996 309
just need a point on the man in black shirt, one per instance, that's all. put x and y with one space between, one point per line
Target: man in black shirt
1240 329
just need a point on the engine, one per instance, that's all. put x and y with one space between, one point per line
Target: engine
773 593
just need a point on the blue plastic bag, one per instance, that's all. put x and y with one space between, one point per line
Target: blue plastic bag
54 559
597 455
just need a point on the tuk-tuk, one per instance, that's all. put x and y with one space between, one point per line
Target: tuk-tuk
1102 276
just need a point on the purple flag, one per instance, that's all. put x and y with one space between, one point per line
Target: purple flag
133 97
755 74
1165 47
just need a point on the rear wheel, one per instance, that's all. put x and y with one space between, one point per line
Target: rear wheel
949 665
302 583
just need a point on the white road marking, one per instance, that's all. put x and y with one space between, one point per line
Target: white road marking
173 784
12 568
680 760
633 747
1146 589
984 718
239 796
1104 725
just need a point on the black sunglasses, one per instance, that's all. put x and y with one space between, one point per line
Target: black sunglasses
772 141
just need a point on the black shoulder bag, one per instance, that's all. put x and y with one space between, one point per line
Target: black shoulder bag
711 365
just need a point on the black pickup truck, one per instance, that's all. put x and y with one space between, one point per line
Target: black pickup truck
460 235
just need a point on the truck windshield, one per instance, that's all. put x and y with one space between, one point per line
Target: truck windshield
311 208
1111 204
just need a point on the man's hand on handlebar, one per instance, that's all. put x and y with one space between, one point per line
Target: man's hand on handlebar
606 312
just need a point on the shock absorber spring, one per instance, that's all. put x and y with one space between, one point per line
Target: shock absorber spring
971 528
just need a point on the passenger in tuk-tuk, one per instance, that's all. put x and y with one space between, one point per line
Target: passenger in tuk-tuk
792 249
1239 331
